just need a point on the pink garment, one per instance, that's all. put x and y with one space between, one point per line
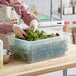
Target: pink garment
23 12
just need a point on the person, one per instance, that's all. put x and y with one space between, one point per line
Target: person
9 21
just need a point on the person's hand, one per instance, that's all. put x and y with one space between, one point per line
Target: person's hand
19 31
34 25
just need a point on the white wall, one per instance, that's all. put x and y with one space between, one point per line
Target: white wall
42 6
66 2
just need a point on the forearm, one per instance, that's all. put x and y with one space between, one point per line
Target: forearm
27 18
26 14
5 28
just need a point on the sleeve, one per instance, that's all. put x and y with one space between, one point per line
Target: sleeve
26 14
5 28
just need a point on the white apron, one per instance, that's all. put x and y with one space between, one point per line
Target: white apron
8 15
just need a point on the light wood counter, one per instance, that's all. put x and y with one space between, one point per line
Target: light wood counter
15 68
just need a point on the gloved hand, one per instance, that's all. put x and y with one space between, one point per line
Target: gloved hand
19 31
34 25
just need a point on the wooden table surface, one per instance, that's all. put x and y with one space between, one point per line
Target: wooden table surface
15 68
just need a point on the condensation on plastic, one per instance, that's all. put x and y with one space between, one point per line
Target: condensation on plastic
33 51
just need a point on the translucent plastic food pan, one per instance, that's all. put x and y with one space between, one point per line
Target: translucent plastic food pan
33 51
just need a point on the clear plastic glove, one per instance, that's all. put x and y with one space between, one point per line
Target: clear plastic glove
19 31
34 25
